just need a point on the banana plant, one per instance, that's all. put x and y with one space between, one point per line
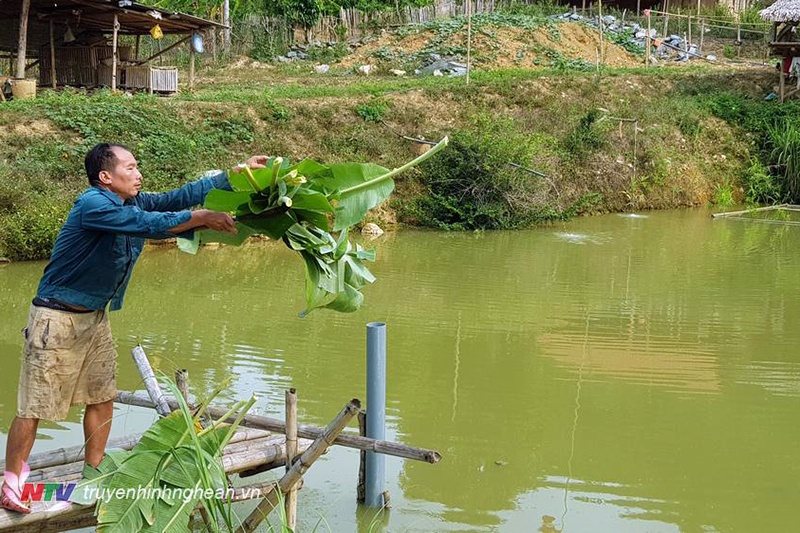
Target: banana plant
301 205
174 453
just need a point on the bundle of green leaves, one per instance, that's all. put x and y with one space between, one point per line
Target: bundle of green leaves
302 204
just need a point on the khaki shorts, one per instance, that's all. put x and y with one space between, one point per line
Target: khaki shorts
69 359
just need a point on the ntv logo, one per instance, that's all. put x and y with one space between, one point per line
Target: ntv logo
38 492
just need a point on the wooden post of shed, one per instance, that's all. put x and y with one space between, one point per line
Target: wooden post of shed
648 43
191 62
22 44
52 56
136 48
114 55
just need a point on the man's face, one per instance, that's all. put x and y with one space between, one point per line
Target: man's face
124 179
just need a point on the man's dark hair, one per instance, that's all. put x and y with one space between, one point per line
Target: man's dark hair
101 157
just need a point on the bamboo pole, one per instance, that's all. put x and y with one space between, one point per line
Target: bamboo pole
52 56
22 43
74 454
301 466
689 40
666 19
114 59
746 211
140 358
165 50
309 432
241 449
290 503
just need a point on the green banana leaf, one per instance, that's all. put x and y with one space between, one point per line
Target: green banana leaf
170 455
353 207
300 204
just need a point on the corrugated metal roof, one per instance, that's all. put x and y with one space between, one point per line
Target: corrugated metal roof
90 16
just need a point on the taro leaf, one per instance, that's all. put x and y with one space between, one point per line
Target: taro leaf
354 206
226 201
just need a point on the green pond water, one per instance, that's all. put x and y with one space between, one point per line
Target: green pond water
634 373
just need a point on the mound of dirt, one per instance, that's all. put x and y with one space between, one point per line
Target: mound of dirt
494 47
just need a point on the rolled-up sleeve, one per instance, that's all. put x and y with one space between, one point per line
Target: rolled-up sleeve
187 196
101 214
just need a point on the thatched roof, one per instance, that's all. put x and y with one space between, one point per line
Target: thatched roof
782 11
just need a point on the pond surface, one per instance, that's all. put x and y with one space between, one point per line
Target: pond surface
633 373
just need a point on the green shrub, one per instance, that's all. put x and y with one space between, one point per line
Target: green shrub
586 138
785 156
729 51
760 186
29 233
373 111
474 184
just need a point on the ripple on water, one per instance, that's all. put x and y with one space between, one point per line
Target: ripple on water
583 238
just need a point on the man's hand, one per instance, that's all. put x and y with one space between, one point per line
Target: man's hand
256 161
216 221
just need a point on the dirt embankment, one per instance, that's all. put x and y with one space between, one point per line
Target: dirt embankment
501 47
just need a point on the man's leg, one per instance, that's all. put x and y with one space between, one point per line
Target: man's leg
20 441
96 426
21 436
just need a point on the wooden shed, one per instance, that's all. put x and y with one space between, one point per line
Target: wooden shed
76 42
785 42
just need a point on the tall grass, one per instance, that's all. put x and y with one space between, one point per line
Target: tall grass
784 155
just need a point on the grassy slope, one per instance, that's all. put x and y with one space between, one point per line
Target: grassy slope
683 155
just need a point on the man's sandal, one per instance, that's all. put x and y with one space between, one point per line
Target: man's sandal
11 493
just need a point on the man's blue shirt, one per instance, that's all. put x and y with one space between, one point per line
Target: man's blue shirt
101 240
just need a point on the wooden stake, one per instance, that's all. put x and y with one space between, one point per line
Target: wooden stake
145 370
600 25
114 73
361 489
52 56
182 381
310 432
290 503
301 466
136 49
666 19
702 35
469 38
648 43
22 43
